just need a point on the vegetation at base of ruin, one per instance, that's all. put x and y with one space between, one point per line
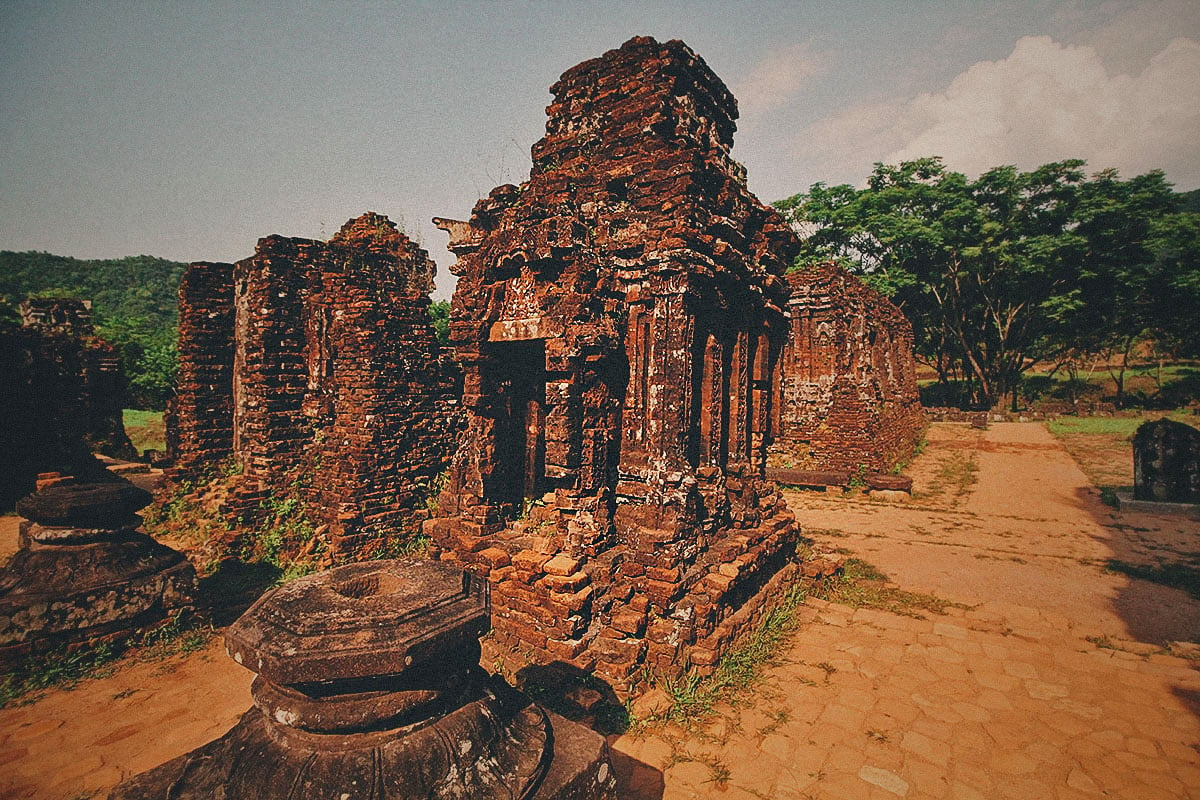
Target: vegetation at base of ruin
861 585
435 489
1185 577
65 668
233 567
1013 268
693 696
145 429
903 463
390 546
57 669
859 479
134 305
285 539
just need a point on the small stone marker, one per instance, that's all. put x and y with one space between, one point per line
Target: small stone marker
1166 462
369 686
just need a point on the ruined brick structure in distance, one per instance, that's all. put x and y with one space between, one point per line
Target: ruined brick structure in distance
313 369
850 401
619 319
62 399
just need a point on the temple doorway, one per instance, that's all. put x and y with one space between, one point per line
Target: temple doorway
519 372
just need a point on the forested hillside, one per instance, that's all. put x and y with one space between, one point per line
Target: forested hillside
134 305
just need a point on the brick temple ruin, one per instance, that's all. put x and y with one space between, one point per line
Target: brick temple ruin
313 370
64 391
850 403
630 350
619 319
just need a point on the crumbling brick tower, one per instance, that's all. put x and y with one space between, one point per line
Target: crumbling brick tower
618 320
315 368
850 400
63 389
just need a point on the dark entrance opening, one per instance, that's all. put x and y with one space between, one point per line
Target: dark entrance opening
519 372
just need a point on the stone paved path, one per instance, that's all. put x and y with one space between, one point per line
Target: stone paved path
1007 699
1053 684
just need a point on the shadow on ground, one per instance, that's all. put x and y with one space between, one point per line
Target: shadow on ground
1160 557
587 699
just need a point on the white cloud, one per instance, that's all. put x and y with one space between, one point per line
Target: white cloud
1046 101
781 75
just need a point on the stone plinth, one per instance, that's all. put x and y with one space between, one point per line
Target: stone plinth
369 686
84 574
1166 462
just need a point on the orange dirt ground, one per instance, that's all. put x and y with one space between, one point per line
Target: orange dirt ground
1050 678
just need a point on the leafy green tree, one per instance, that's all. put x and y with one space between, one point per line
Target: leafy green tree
134 306
972 263
440 311
1016 267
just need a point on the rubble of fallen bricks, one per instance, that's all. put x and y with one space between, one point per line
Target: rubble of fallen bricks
63 395
312 370
850 401
619 320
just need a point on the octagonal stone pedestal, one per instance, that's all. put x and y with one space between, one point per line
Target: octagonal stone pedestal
368 686
84 574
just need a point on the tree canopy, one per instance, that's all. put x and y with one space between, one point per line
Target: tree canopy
134 304
1014 267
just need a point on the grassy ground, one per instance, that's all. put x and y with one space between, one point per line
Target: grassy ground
1102 446
145 429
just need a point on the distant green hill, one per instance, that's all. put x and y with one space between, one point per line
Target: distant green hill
134 303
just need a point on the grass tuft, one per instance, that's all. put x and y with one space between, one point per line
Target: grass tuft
861 585
694 696
65 668
1176 576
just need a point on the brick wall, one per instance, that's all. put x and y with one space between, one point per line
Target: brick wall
850 397
313 368
619 319
62 399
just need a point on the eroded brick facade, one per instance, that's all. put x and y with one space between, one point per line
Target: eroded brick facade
850 401
62 398
314 370
618 320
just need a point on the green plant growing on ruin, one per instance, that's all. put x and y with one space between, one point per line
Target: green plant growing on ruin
391 546
859 479
435 489
693 696
282 536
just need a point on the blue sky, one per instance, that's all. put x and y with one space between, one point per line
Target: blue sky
190 129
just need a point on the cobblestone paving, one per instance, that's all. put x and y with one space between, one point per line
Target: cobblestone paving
1052 682
1055 680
